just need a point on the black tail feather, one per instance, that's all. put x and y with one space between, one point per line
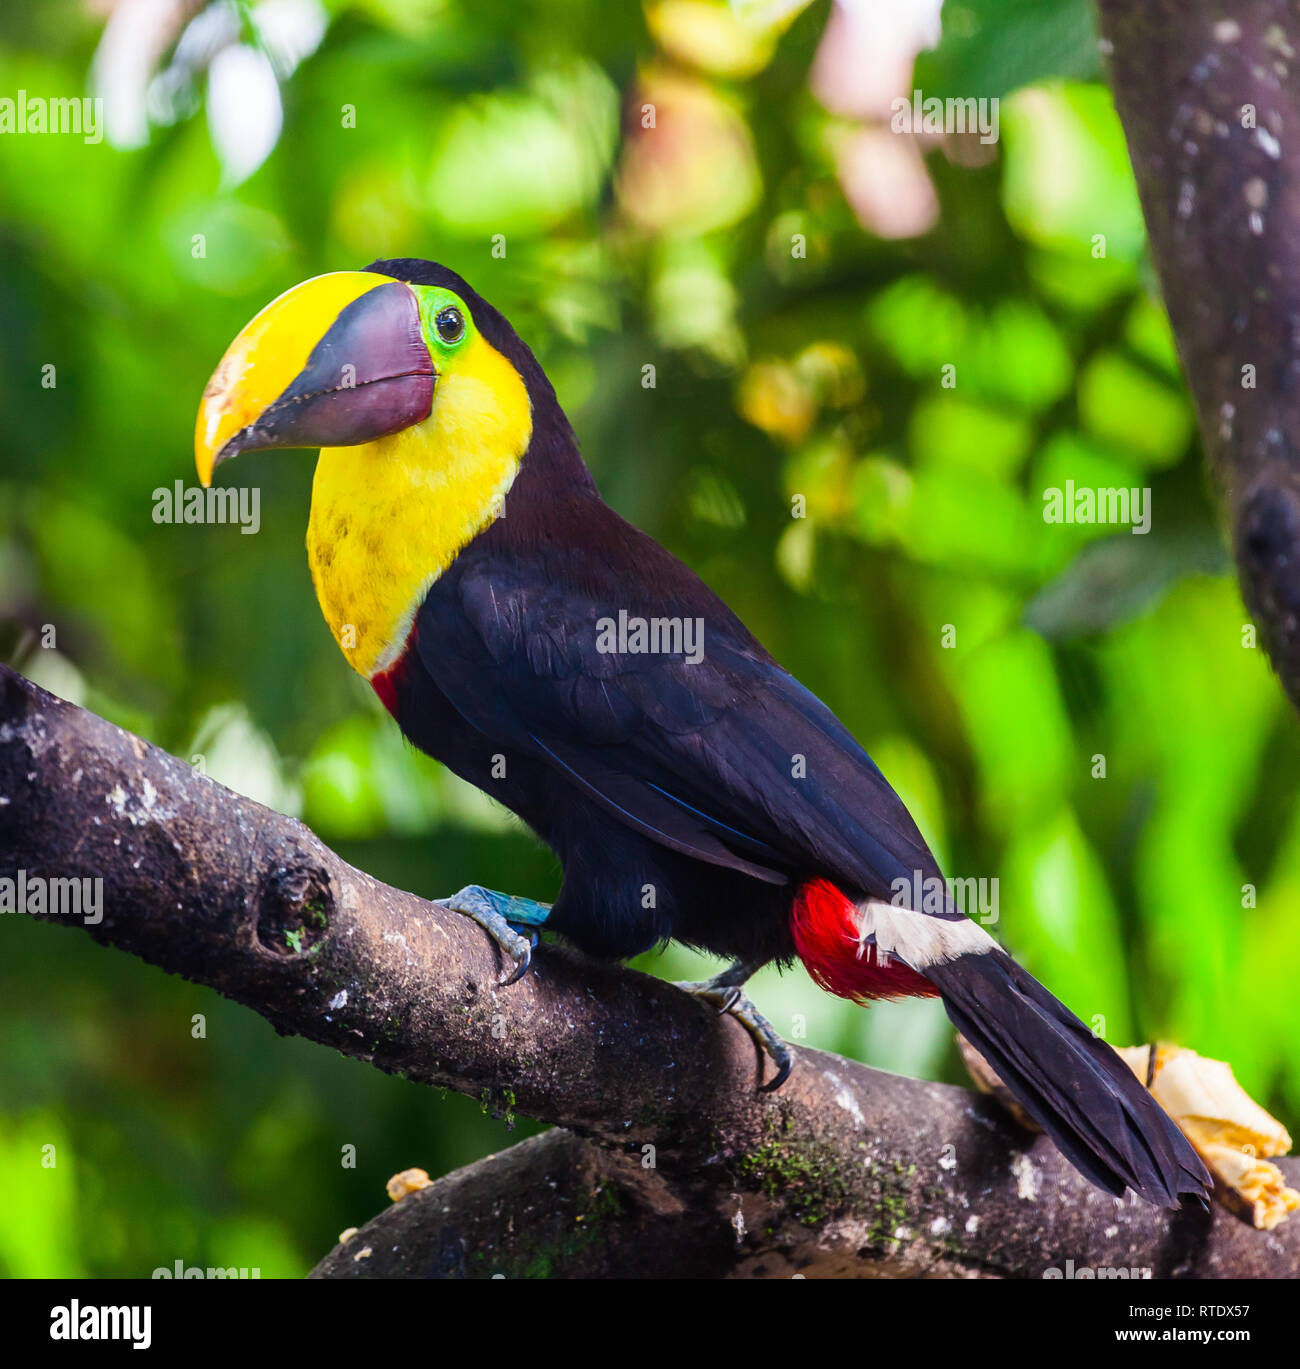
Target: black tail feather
1070 1082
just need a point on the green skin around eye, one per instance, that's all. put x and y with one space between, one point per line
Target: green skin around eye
432 301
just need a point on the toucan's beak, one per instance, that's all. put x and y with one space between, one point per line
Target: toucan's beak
337 360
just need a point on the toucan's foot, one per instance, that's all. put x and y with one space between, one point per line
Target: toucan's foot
725 991
511 922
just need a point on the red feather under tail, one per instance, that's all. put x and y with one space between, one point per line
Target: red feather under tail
825 924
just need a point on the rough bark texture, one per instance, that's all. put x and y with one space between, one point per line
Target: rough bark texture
672 1161
1209 95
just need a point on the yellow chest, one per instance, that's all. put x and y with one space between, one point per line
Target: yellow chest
388 517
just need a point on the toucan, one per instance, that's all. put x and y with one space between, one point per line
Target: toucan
544 649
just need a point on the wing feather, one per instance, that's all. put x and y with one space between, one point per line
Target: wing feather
699 756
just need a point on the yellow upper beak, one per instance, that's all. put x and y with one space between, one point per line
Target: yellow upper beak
280 357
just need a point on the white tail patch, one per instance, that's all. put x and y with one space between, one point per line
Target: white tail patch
917 939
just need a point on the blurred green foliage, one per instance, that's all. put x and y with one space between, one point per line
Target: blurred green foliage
991 662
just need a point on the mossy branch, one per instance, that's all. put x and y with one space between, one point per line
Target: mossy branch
670 1147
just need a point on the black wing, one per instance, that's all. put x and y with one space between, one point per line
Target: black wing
729 759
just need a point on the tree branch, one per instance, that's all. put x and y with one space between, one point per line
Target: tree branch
1210 102
671 1151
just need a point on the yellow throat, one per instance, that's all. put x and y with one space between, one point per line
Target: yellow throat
388 517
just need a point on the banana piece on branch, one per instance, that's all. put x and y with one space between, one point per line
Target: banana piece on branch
1227 1128
407 1182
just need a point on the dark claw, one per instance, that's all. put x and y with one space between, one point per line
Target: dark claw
521 967
726 992
782 1074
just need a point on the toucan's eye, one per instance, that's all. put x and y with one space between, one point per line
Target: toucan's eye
450 324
